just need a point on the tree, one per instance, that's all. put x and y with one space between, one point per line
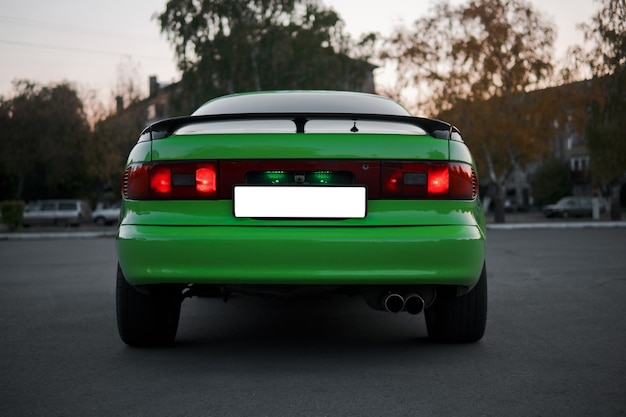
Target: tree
115 132
42 148
606 137
113 137
128 85
477 62
225 46
551 181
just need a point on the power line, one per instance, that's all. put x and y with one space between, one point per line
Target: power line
80 50
40 24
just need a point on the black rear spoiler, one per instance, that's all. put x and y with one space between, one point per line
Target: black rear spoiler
433 127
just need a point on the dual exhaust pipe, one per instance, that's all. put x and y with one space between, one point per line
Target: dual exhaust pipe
411 303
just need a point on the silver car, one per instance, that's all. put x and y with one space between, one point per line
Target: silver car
57 212
569 206
107 216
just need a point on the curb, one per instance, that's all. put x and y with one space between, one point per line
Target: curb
57 235
559 225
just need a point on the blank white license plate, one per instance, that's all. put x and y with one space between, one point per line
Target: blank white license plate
300 202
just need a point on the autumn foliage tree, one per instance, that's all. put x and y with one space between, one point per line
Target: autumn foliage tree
111 141
115 132
473 64
606 131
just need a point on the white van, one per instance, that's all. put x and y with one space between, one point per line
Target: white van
57 212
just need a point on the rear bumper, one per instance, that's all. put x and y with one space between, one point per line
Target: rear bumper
230 255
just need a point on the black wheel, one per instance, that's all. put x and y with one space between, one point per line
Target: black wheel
459 319
100 221
150 318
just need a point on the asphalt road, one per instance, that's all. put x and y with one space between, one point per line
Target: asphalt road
555 343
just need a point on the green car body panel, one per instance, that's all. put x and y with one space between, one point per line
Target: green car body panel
408 242
375 251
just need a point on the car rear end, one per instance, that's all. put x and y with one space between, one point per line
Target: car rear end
189 215
376 204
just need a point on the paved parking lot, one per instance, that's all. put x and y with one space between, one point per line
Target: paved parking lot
554 345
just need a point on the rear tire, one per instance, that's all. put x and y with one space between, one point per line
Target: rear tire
147 319
459 319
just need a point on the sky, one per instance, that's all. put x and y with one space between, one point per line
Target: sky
85 42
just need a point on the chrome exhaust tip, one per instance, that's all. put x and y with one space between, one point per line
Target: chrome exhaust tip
393 303
413 304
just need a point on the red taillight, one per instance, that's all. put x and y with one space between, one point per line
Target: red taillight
137 182
428 180
463 182
206 179
176 181
161 181
404 180
391 180
438 180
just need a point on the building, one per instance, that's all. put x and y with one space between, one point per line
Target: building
159 103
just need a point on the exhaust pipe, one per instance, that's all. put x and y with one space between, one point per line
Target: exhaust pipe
393 303
413 304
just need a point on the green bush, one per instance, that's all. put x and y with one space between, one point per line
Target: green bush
12 213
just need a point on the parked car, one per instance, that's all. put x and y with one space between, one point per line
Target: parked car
569 206
56 212
107 216
289 193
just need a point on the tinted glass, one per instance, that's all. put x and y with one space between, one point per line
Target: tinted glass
303 102
47 206
361 126
67 206
239 126
312 126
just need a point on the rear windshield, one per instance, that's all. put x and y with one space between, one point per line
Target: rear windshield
239 126
67 206
311 126
362 126
302 102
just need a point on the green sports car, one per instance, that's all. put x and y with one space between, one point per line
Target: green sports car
298 192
